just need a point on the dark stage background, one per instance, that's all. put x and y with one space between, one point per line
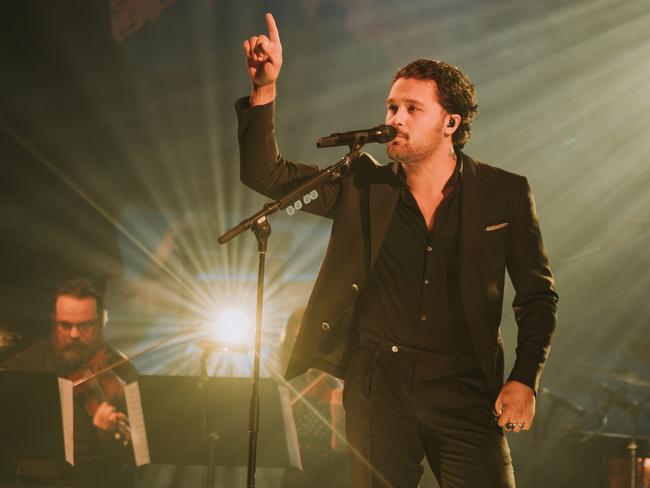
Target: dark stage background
119 160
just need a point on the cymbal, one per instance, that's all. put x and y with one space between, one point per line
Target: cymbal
615 442
612 435
624 376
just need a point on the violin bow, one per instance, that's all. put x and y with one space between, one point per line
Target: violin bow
126 359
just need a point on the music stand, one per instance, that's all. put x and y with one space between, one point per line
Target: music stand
174 421
30 408
209 347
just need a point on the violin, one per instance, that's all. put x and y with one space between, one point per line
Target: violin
96 383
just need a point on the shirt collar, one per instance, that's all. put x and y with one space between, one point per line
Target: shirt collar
455 179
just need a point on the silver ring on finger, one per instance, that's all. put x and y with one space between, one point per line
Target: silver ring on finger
511 426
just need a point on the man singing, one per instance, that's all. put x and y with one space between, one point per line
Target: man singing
76 350
407 305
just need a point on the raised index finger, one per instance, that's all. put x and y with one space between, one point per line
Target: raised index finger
274 35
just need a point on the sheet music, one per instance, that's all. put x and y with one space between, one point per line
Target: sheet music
136 421
67 418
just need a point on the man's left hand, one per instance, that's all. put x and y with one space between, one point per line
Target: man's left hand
515 406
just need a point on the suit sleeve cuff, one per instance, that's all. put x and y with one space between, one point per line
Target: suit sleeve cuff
526 376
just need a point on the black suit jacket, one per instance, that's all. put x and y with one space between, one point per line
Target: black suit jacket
499 230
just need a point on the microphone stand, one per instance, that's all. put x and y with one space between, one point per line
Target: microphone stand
330 173
262 229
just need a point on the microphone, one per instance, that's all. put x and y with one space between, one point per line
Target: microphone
381 133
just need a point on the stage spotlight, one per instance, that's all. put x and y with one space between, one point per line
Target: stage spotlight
231 326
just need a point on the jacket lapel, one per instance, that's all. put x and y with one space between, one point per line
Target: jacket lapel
383 194
475 198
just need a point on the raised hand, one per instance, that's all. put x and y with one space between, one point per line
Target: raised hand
264 60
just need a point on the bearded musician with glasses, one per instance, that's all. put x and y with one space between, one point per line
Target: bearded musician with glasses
77 351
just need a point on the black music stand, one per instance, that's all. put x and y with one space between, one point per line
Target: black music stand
30 409
174 421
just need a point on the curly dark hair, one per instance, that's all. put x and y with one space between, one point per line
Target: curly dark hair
456 92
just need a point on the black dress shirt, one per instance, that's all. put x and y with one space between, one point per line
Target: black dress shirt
412 297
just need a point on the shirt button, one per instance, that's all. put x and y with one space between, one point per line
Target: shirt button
429 249
423 318
325 326
394 349
426 282
355 288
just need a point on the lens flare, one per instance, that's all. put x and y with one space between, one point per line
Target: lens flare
231 326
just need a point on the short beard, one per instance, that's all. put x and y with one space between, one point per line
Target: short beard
406 155
75 354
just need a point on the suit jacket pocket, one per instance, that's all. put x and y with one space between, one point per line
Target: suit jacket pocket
493 244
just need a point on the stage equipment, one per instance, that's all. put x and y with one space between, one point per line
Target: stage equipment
176 430
210 436
33 423
381 133
620 398
261 227
624 376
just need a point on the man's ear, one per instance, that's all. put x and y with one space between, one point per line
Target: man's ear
453 123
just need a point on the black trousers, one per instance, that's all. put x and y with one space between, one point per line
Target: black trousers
402 404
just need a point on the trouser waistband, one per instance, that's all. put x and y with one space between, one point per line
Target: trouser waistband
383 346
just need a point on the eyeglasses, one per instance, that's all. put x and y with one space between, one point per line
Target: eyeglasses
84 327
